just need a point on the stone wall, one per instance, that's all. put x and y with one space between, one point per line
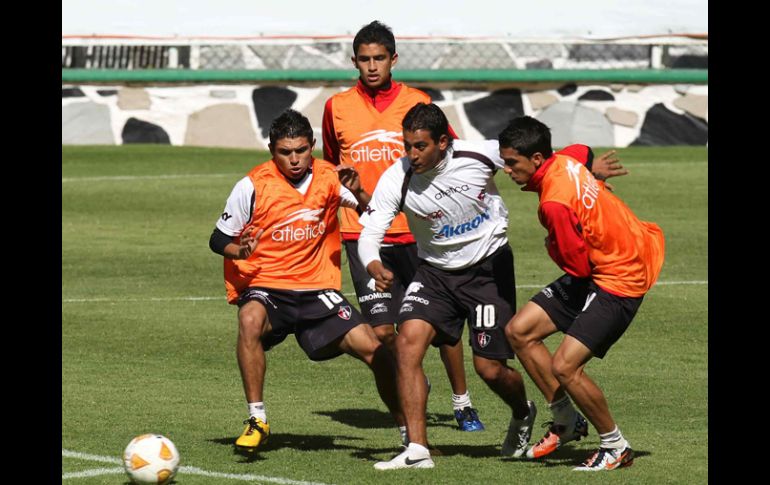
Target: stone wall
238 116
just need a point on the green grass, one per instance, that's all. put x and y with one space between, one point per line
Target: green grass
137 357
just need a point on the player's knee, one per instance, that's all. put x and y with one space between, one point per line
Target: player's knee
515 334
251 325
489 370
406 351
402 341
522 331
362 343
564 371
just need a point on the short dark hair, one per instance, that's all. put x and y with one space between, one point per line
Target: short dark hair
290 124
427 117
527 136
375 32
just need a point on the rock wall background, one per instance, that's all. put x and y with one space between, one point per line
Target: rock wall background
238 116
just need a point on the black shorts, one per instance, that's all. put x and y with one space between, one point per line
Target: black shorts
578 307
316 318
376 307
484 294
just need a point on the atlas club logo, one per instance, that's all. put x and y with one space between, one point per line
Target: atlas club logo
344 312
483 339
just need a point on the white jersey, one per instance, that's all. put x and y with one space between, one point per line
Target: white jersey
454 210
239 205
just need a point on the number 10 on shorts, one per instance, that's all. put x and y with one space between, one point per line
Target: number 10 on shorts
330 298
485 316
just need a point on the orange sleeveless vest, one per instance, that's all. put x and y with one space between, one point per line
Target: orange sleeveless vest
372 141
626 253
300 248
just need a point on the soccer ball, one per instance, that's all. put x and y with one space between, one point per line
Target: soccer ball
151 458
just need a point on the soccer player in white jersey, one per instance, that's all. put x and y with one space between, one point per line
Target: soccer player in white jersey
446 189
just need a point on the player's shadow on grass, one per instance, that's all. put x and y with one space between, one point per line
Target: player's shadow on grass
360 418
374 418
304 442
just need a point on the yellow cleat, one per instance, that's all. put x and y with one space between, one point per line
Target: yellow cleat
255 434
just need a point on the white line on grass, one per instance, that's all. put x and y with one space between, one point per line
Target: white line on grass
113 300
87 457
94 472
116 178
207 298
244 477
182 469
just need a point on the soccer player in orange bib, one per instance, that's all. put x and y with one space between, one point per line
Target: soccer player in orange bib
362 128
279 235
610 258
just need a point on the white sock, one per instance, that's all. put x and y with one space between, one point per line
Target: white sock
404 436
257 409
563 412
416 449
613 440
461 401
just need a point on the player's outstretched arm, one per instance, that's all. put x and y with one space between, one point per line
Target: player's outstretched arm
608 165
351 181
376 219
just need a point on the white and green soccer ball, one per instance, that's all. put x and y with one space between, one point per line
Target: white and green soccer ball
151 458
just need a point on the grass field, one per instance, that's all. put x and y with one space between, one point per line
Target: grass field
148 339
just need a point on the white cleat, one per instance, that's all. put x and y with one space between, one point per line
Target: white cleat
608 459
519 433
410 458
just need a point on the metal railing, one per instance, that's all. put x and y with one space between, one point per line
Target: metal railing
250 59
